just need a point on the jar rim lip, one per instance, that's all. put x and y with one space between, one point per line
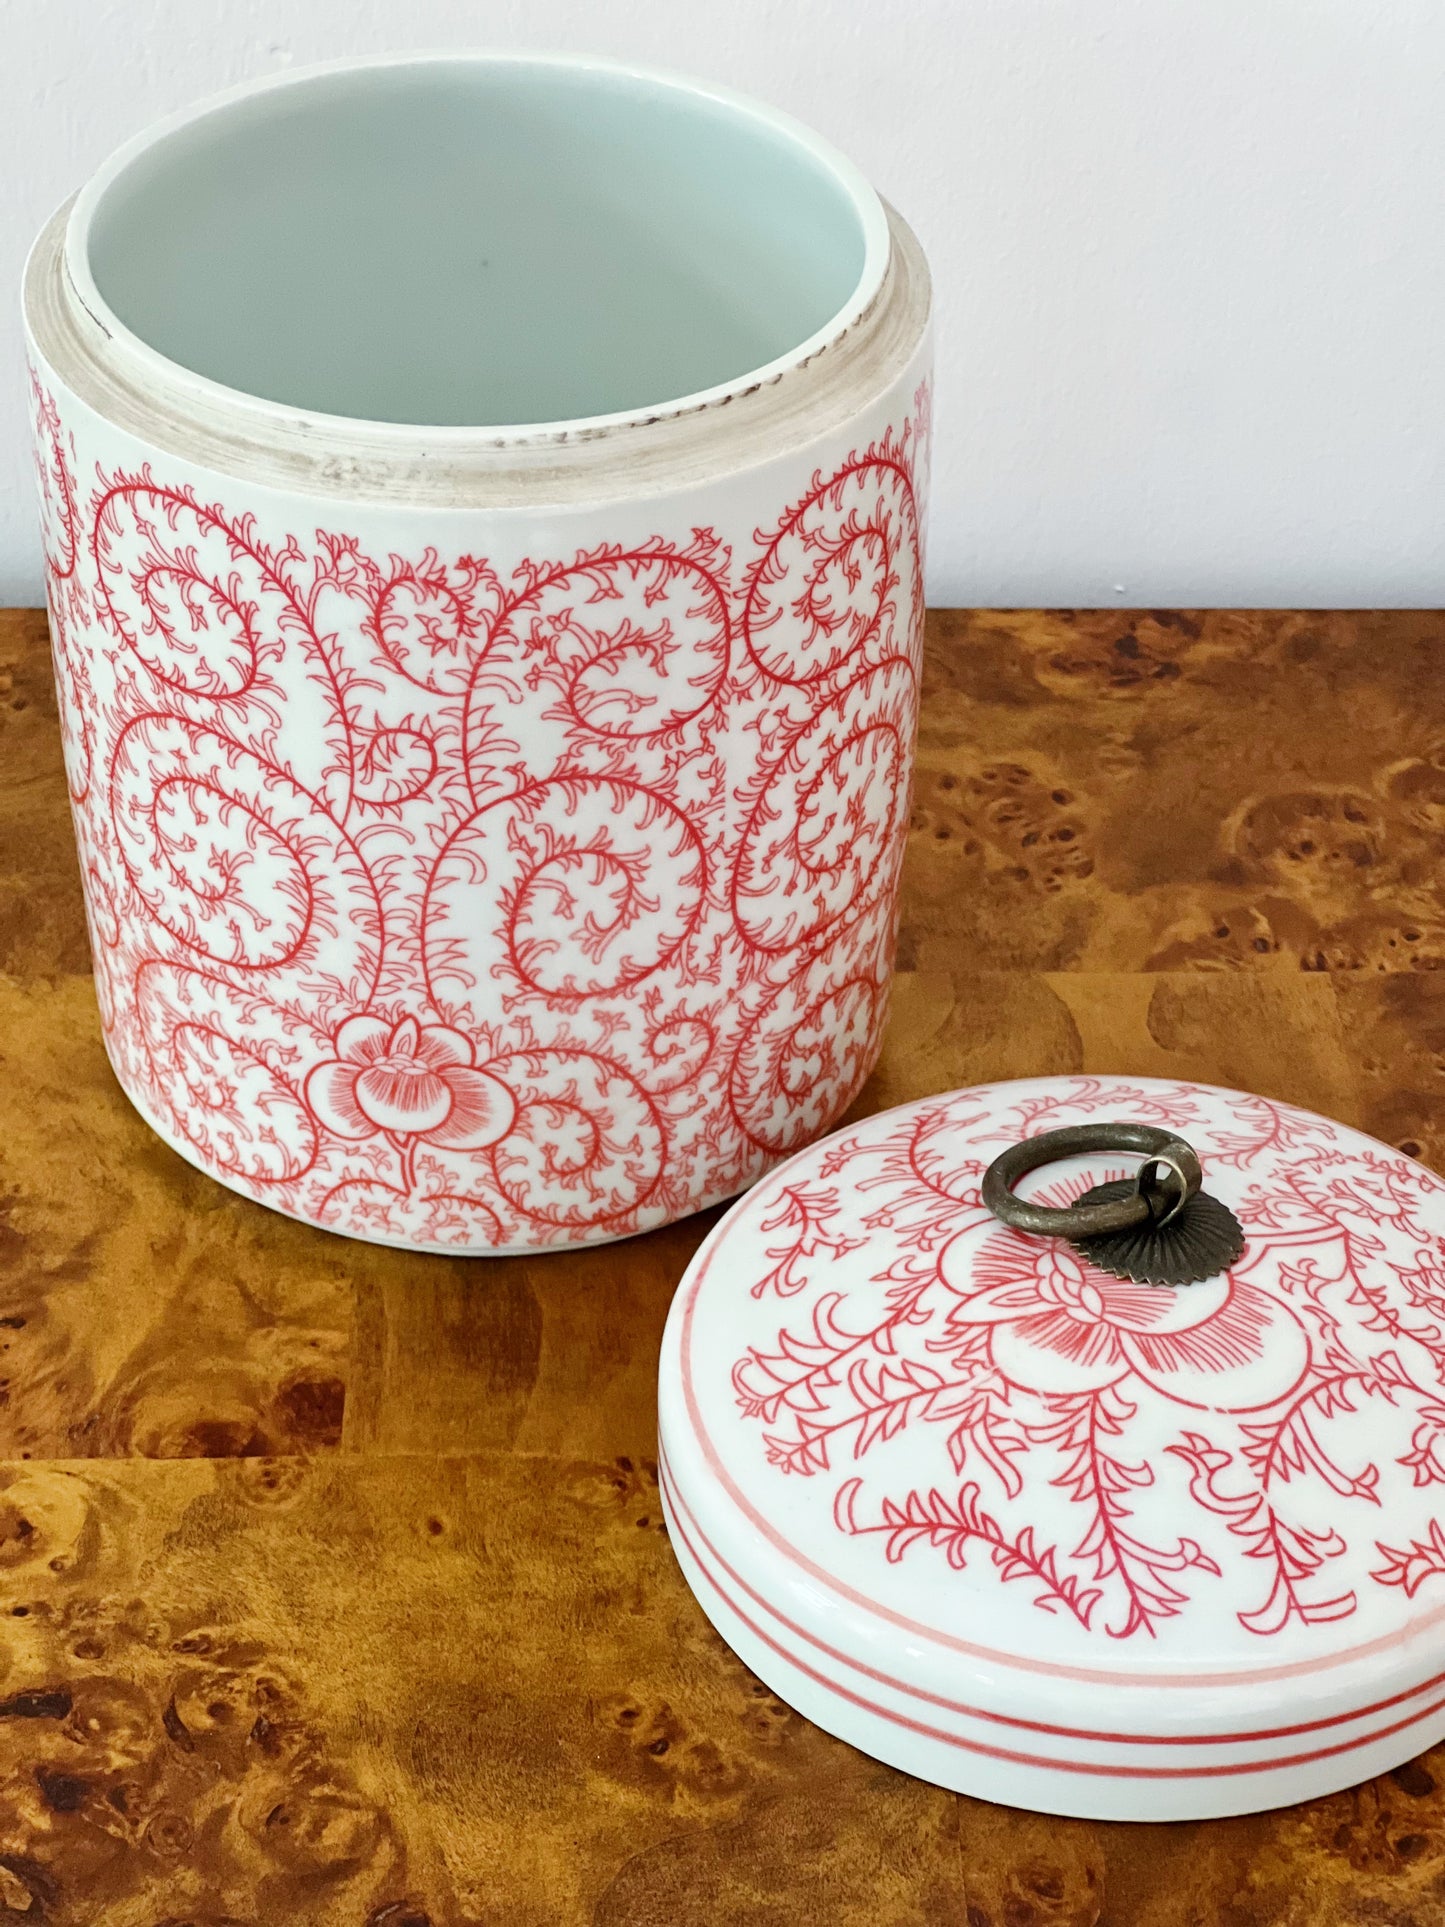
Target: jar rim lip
154 367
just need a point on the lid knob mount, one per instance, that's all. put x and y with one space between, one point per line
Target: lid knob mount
1157 1228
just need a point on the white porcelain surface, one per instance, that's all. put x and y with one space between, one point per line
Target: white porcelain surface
1055 1539
491 835
510 241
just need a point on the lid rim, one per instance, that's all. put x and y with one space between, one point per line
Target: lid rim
1189 1737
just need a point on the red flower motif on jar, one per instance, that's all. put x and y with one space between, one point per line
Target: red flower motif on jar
1058 1324
410 1080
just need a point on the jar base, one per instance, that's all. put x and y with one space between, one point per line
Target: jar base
427 1248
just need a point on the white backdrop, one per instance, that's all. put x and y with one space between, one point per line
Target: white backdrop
1189 254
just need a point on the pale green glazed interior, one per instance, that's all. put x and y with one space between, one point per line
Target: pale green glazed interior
475 242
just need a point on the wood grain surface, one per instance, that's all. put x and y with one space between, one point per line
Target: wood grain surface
333 1583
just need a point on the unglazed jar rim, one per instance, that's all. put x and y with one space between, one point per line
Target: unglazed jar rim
147 369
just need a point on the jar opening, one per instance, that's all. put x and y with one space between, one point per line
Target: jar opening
479 241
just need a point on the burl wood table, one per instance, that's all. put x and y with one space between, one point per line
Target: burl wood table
333 1581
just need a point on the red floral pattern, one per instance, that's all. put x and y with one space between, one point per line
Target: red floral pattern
445 901
1264 1446
1058 1324
412 1081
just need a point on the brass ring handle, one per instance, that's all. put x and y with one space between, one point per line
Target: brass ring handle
1165 1182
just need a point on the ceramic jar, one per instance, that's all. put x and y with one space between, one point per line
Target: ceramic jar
483 504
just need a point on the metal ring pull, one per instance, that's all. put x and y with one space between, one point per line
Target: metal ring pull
1178 1158
1158 1227
1154 1200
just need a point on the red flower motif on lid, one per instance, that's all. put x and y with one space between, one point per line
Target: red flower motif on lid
411 1080
1060 1325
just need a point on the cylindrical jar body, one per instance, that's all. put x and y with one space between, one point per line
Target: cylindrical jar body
499 876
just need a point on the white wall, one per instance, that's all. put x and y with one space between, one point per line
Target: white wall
1189 257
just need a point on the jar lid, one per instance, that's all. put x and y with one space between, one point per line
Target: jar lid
1050 1536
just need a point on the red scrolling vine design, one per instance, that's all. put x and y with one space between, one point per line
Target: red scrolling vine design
1265 1447
445 902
